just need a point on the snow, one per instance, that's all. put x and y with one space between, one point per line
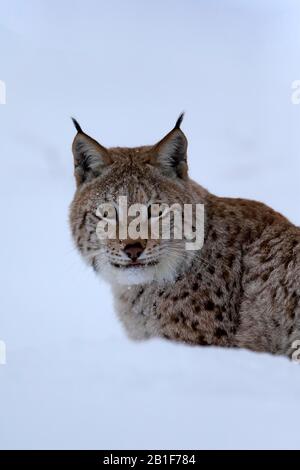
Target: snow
126 70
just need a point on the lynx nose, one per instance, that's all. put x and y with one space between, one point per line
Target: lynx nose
134 250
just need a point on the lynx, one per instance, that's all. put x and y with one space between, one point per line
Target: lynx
241 289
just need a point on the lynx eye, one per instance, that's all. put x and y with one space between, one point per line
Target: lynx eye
106 211
157 210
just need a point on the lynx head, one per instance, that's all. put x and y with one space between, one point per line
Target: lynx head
156 174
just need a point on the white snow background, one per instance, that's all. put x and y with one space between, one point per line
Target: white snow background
126 69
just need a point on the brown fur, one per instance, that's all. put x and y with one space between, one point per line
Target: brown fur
242 289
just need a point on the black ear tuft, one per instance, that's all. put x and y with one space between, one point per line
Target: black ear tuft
77 126
179 121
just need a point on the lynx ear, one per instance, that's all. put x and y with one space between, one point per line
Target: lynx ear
90 158
170 153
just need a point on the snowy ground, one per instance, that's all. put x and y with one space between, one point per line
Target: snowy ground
126 70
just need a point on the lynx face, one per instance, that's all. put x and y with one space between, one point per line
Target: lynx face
145 175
